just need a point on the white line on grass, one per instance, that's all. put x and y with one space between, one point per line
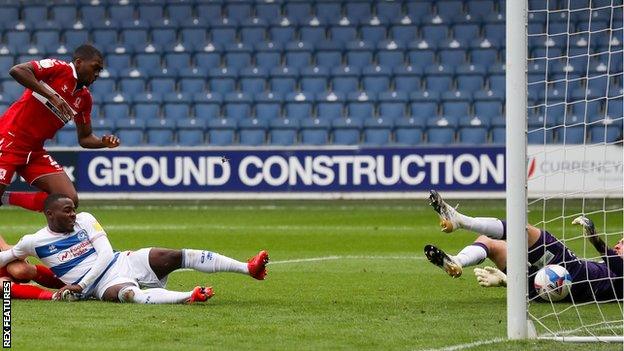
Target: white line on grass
251 227
333 258
469 345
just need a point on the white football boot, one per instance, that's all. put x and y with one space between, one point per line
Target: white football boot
444 261
448 215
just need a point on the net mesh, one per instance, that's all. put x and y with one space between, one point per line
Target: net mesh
575 126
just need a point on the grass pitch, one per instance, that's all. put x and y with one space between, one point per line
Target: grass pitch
345 275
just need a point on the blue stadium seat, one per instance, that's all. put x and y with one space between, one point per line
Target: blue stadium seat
150 63
359 54
268 55
116 111
314 79
283 79
282 34
192 85
330 105
452 52
121 13
360 105
237 11
223 33
179 12
268 106
298 54
238 56
193 38
221 131
328 55
65 137
315 131
209 10
498 130
346 131
418 10
237 105
190 131
253 31
434 32
9 13
421 58
48 39
438 78
377 131
252 132
408 131
393 104
147 110
148 12
449 8
376 79
390 54
104 37
345 79
223 80
283 131
102 126
614 107
17 39
75 38
130 131
162 85
407 78
388 9
102 87
466 31
494 32
253 80
343 34
480 8
11 90
456 103
207 60
607 133
173 111
268 11
160 132
423 107
298 105
358 10
177 61
312 34
34 13
440 135
297 11
373 31
328 11
164 37
404 33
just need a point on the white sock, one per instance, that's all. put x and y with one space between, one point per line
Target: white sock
210 262
471 255
488 226
152 296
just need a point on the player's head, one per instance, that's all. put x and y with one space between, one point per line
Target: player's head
619 248
88 62
60 212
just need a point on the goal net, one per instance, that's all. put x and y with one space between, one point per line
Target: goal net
574 160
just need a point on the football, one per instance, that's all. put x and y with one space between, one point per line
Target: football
552 283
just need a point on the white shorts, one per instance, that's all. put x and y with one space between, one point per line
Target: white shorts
131 267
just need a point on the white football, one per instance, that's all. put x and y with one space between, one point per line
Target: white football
552 282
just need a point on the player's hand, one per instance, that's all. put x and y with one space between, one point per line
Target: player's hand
75 288
489 277
61 105
588 226
110 141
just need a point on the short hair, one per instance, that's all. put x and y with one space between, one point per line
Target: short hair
52 199
86 52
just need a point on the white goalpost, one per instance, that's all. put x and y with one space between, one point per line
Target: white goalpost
564 154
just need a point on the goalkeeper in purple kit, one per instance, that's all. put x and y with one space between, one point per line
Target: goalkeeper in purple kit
591 281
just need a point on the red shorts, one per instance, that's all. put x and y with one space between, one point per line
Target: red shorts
28 163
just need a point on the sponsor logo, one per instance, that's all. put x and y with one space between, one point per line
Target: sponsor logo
77 102
64 88
74 251
52 248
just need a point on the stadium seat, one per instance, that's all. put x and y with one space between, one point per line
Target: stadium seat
314 80
237 11
209 10
179 12
221 131
298 54
377 131
268 106
421 58
329 11
407 79
330 105
268 55
376 79
190 131
346 131
298 105
147 110
360 105
223 80
116 111
283 131
160 132
315 131
237 105
252 132
393 104
359 54
253 31
312 34
408 131
121 13
343 34
358 10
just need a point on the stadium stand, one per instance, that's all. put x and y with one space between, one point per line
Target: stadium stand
378 72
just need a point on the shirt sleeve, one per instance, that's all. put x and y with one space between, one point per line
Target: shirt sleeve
21 250
614 262
92 226
48 68
84 115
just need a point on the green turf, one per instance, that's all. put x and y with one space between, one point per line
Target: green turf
369 289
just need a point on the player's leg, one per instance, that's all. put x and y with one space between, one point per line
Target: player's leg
451 219
56 183
471 255
128 292
165 261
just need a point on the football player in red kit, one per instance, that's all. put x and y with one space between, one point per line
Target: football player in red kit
20 272
56 92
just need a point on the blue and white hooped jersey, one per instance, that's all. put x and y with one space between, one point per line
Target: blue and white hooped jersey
69 255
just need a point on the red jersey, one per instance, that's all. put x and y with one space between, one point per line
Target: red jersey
30 122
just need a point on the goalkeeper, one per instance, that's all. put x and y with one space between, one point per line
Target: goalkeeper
591 281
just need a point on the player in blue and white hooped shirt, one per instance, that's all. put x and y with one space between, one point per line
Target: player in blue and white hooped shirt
591 281
77 250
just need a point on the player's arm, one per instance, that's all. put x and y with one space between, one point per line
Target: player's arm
19 251
88 140
24 73
613 260
104 252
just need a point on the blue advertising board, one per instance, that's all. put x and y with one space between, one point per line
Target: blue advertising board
284 170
